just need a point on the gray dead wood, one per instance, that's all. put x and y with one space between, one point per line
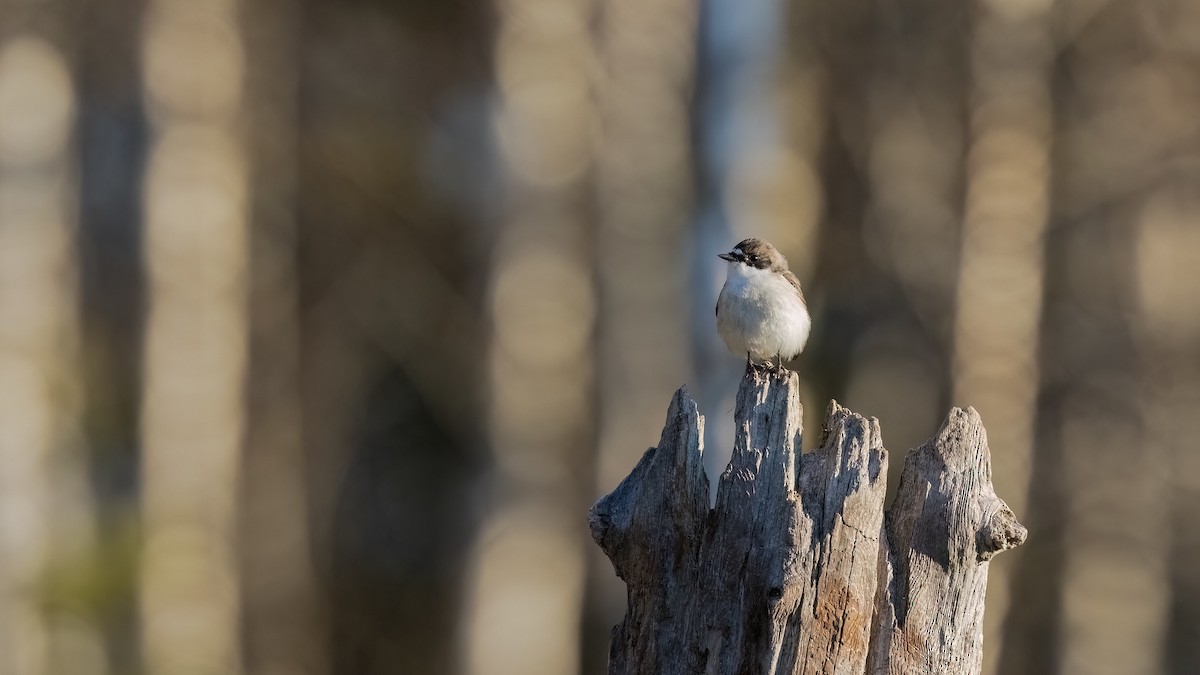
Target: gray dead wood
792 571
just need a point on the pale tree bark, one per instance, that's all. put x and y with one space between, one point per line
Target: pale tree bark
646 48
1000 276
45 506
798 569
944 526
196 333
1168 341
542 311
643 187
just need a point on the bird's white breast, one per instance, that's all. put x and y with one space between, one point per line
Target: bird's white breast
760 313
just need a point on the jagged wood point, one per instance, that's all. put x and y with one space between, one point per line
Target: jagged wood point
798 569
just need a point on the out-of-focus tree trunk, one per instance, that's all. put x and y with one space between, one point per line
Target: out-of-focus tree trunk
391 153
643 196
390 159
1113 545
1095 592
878 135
779 188
999 308
196 251
897 86
112 134
282 630
45 506
1167 253
762 123
528 568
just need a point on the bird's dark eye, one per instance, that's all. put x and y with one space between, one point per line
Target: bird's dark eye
753 258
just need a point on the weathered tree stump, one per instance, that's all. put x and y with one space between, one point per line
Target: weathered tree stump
798 569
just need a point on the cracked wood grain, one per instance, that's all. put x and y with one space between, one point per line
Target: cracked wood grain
945 524
792 572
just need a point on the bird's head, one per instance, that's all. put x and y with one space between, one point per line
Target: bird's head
756 253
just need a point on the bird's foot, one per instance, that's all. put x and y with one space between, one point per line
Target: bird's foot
767 366
772 365
775 365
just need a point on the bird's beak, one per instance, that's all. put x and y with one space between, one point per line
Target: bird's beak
727 256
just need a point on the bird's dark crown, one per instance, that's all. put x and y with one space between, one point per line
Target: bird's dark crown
759 254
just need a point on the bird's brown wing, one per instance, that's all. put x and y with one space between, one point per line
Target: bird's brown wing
787 274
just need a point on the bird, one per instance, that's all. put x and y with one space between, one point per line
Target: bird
761 310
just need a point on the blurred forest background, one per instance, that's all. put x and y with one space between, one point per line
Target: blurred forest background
323 323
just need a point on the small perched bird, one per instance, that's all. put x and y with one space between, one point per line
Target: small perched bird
761 310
